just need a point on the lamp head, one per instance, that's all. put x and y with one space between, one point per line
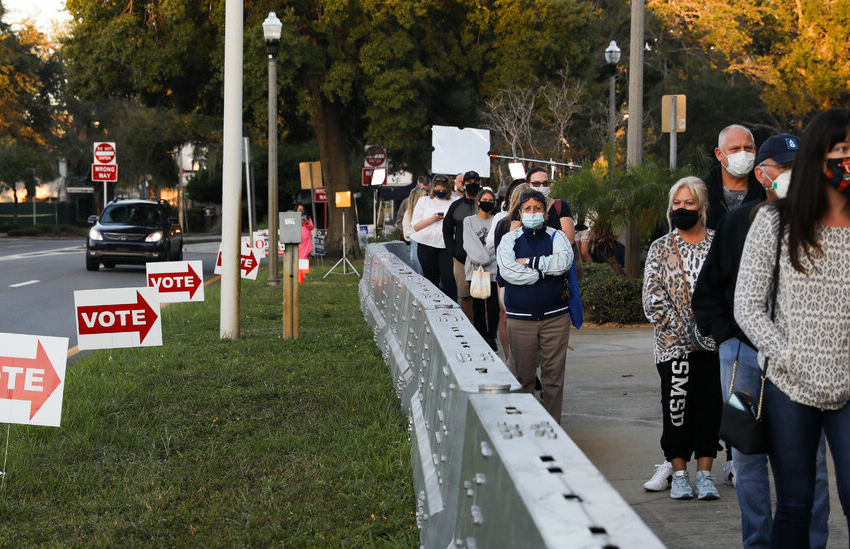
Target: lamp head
612 53
272 27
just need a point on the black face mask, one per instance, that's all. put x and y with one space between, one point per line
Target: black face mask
683 219
838 174
472 188
486 207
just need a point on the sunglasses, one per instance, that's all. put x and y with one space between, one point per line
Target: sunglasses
540 183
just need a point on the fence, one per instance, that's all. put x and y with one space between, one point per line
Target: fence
490 466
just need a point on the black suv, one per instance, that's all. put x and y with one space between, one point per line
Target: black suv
133 231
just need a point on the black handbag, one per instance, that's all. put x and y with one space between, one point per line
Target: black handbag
741 425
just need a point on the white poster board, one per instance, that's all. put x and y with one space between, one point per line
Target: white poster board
117 317
177 281
459 150
32 376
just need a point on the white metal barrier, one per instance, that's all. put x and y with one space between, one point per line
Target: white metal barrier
490 466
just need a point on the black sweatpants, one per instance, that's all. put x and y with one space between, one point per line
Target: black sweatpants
437 267
691 404
485 314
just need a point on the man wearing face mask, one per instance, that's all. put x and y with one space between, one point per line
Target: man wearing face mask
713 306
732 182
453 236
533 260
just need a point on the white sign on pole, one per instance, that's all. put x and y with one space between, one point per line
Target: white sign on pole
460 150
249 262
32 376
104 153
177 281
117 317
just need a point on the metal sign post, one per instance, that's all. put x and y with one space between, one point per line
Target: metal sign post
673 132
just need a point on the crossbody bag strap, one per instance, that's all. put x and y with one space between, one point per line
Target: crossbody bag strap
684 274
775 290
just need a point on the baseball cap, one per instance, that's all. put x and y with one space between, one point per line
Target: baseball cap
780 148
470 175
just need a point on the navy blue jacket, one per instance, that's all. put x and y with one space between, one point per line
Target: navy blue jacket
536 291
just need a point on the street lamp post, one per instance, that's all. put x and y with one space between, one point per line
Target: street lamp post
271 32
612 56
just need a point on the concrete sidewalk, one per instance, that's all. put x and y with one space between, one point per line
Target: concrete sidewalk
612 410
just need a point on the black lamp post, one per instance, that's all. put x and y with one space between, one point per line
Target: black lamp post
612 57
271 32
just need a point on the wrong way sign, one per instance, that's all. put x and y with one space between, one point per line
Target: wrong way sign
32 379
117 317
177 281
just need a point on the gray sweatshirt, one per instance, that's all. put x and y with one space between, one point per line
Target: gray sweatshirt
475 232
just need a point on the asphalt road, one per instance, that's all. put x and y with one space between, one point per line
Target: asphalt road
38 278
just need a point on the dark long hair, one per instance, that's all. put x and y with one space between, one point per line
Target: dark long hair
807 200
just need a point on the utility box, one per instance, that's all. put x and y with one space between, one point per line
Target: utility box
289 227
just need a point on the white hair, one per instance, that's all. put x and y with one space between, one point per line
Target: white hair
721 138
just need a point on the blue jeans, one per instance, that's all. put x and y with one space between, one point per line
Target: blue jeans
414 257
794 431
752 485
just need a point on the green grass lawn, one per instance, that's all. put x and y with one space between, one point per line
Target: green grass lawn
206 442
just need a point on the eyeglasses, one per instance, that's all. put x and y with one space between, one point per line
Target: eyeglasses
540 183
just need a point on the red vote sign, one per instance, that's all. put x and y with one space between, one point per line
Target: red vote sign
176 281
118 317
248 262
32 371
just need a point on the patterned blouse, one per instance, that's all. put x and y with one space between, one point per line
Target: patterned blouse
809 341
664 301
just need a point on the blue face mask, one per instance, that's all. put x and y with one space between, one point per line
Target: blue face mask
532 220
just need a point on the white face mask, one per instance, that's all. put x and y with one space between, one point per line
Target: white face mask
780 184
740 163
542 190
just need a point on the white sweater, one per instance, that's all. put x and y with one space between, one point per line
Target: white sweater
432 235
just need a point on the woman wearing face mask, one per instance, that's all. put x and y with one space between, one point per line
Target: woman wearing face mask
803 342
690 379
476 228
427 220
533 260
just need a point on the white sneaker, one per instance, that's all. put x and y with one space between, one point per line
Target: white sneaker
660 480
729 476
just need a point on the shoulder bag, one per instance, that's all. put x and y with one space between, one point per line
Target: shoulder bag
741 425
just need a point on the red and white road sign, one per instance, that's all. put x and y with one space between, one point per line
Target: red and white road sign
376 156
367 176
104 153
177 281
117 317
249 262
104 172
321 194
32 376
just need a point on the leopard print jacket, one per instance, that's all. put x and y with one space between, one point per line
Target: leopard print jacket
664 296
808 342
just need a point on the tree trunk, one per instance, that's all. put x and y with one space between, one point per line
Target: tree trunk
15 209
327 124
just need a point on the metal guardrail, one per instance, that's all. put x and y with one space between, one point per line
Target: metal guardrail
490 467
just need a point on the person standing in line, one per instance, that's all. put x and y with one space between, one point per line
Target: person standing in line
731 182
407 226
476 228
453 236
803 342
427 220
558 213
690 379
533 261
713 306
305 248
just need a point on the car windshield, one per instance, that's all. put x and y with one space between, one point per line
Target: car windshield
133 214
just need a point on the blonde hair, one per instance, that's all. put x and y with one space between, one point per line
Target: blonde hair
414 197
698 193
513 205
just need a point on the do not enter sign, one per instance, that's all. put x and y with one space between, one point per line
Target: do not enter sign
104 153
376 157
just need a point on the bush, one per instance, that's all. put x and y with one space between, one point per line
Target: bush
607 297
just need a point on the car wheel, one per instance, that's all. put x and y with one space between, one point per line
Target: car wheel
92 264
179 253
